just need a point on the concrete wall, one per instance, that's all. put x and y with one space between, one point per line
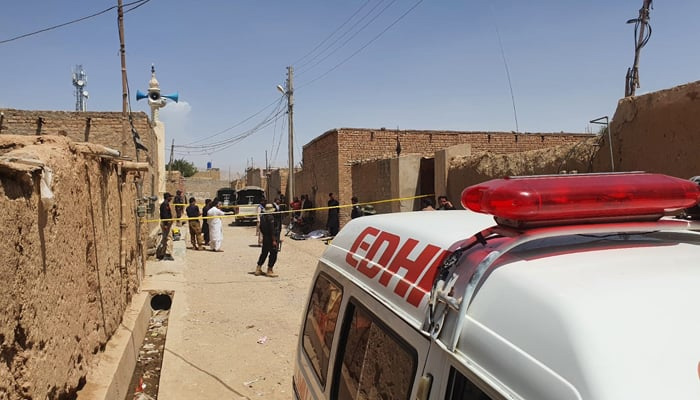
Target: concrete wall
405 182
656 132
65 281
442 165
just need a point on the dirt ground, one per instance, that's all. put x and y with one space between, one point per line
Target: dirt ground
232 334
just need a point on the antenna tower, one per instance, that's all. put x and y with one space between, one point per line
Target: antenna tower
80 82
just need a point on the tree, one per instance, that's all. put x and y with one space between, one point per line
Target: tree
185 167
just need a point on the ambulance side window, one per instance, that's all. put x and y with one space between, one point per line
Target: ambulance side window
320 322
374 363
461 388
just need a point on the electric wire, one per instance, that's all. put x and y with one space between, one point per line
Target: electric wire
300 68
285 122
142 2
216 147
505 64
402 16
331 35
235 125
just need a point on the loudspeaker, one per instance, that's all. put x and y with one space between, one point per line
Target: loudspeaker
174 97
140 95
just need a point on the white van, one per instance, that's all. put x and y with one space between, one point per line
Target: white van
579 290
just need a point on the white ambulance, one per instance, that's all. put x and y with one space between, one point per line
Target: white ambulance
582 288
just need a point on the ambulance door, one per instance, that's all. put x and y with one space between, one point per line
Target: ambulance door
353 347
379 356
454 380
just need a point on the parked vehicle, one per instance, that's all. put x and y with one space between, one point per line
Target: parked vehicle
248 200
228 199
582 288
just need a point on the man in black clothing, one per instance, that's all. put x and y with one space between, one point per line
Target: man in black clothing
269 242
205 222
333 223
444 204
165 248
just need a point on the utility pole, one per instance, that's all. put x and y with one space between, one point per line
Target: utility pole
289 92
125 94
170 164
640 23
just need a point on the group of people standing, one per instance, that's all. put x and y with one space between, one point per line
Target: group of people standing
208 232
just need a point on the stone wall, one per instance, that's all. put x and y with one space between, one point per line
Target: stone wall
104 128
68 270
656 132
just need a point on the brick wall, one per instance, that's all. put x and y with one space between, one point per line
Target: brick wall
103 128
328 159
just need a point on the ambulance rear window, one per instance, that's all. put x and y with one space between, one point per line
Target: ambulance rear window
375 364
320 322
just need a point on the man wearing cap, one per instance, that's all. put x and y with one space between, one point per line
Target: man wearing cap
269 242
165 249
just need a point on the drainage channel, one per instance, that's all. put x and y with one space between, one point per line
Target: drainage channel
146 377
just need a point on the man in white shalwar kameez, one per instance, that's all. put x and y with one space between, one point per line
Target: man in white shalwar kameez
216 234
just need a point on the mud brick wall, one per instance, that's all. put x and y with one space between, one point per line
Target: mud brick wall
104 128
65 288
656 132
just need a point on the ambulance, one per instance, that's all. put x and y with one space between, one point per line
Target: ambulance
544 288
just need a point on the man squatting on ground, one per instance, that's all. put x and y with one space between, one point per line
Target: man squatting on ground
269 242
195 229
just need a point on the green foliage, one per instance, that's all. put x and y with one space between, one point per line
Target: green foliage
185 167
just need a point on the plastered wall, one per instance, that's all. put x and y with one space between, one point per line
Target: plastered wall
65 282
656 132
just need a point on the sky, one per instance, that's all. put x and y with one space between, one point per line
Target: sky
550 65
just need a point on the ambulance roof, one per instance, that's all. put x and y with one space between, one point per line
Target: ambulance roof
595 313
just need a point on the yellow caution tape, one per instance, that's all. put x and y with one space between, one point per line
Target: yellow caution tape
289 211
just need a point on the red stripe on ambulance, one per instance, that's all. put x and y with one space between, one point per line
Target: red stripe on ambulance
381 247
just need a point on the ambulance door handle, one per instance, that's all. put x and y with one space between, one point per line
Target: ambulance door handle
424 384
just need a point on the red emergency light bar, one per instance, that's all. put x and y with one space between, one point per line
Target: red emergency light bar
557 199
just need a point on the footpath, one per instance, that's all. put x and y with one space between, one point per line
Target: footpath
232 335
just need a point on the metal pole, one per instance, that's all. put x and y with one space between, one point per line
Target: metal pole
612 161
290 109
607 128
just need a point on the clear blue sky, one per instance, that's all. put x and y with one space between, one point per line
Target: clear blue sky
439 67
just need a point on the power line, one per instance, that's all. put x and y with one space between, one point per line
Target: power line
331 35
300 68
138 2
215 147
402 16
278 101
